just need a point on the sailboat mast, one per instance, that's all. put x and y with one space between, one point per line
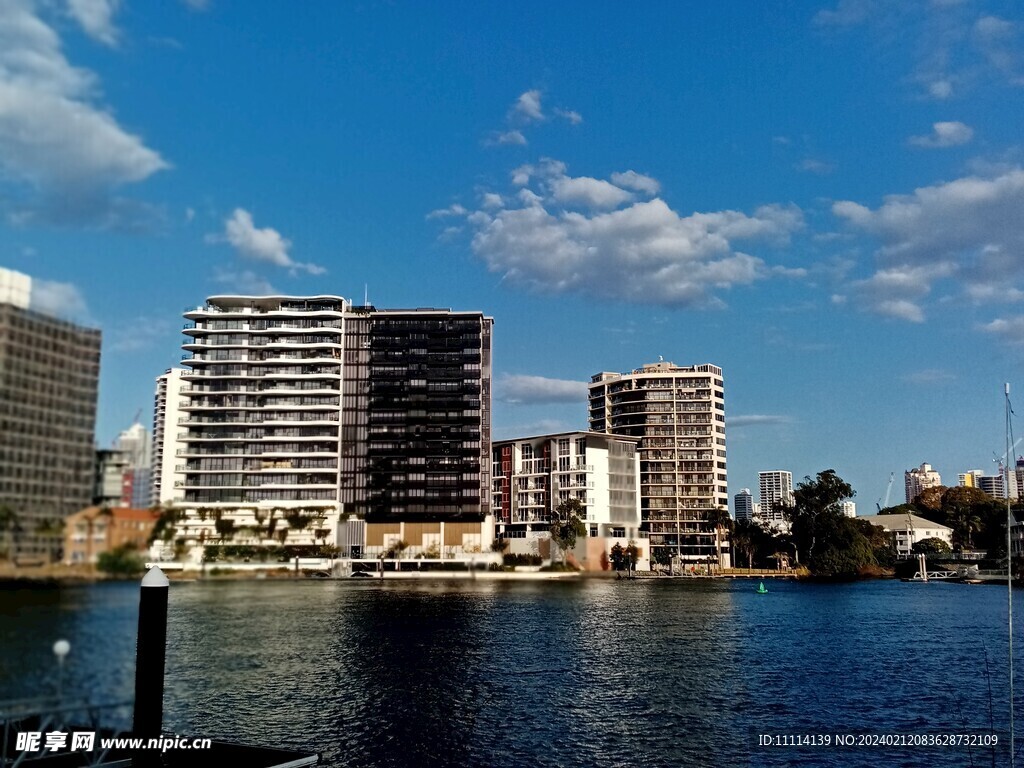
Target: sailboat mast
1009 557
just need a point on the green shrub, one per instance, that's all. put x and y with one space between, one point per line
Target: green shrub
123 561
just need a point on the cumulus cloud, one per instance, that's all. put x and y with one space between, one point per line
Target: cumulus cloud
756 420
266 244
62 155
56 299
527 106
846 14
562 234
539 390
969 228
950 134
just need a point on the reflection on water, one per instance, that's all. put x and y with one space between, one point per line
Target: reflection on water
494 673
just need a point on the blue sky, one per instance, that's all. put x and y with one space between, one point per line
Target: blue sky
825 199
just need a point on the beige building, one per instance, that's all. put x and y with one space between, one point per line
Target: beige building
910 529
95 530
918 479
678 412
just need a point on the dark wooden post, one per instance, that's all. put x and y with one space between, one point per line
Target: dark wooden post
148 716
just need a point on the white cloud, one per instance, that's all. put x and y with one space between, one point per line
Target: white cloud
644 252
1010 329
56 299
846 14
539 427
61 155
940 89
96 18
266 245
593 193
637 182
970 228
508 138
896 292
491 200
574 118
452 210
756 420
528 107
947 134
817 167
538 390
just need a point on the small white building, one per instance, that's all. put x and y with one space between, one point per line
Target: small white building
848 508
910 529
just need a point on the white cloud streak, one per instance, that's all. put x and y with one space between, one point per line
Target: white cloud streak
528 106
538 390
63 300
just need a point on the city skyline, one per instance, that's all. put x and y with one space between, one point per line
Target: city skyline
827 214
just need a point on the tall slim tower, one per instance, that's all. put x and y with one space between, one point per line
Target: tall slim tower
49 374
776 487
679 414
743 505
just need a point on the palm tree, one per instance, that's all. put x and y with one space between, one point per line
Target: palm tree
719 518
567 525
965 522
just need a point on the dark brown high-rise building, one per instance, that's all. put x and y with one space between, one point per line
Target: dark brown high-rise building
49 374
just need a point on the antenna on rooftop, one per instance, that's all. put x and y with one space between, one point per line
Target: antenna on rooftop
366 294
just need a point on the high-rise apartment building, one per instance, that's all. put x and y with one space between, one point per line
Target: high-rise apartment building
679 415
135 444
743 505
49 374
776 487
165 455
919 478
318 408
532 476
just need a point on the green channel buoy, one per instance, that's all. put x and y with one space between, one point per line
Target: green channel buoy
761 590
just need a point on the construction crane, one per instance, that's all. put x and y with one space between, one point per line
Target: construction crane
888 492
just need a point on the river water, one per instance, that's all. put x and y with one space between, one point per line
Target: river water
588 673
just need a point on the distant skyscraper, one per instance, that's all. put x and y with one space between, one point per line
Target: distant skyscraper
134 443
848 508
920 478
679 414
969 478
743 505
49 374
993 485
776 489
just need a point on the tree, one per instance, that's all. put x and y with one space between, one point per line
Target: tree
746 537
499 545
122 561
965 522
931 546
618 557
632 555
816 511
568 525
930 500
9 526
719 518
